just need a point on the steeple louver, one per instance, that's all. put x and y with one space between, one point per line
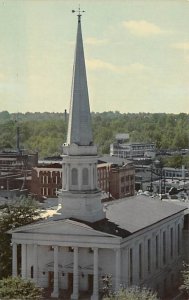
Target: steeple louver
79 126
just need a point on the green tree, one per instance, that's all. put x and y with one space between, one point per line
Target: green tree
22 212
175 161
18 288
184 288
133 293
46 132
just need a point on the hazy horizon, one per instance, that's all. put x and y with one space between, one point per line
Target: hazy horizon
100 112
136 51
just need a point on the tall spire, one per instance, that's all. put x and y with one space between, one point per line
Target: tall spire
79 126
80 196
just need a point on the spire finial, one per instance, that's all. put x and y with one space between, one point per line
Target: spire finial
79 11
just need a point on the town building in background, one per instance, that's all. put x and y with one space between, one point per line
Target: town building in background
125 149
46 181
15 170
116 176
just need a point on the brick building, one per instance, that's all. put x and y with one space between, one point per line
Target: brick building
15 169
114 177
46 180
117 181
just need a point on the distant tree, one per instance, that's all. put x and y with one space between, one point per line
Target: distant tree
22 212
175 161
4 116
133 293
18 288
46 132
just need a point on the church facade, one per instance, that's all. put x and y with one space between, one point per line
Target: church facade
136 240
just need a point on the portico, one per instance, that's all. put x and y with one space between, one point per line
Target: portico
81 267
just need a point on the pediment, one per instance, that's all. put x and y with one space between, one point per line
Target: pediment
60 227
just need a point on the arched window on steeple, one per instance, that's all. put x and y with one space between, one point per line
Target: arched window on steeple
85 176
74 176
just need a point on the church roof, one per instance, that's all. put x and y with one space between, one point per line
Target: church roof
106 226
138 212
123 218
79 126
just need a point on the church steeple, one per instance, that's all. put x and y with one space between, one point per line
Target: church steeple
79 126
80 196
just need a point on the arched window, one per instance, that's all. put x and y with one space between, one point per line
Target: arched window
85 176
74 176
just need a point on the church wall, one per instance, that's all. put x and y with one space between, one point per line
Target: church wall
154 265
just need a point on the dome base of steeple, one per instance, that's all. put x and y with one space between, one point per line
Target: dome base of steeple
85 206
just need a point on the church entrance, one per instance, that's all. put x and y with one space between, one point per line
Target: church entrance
70 282
90 282
50 279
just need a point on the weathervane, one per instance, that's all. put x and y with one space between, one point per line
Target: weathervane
79 11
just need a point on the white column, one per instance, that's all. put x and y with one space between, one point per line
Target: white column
136 264
75 294
95 176
80 177
118 269
68 177
35 263
14 260
145 258
126 266
174 242
161 248
23 261
63 176
55 292
180 239
153 253
91 176
95 274
168 244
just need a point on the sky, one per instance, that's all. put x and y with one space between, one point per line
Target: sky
136 51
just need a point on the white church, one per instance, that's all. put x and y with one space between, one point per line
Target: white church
136 240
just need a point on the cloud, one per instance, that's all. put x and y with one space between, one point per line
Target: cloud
97 64
142 28
181 46
95 42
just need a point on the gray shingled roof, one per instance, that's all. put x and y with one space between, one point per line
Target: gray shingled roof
138 212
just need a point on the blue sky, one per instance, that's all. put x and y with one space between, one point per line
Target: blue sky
137 54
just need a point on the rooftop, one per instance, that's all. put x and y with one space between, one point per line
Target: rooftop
114 160
137 212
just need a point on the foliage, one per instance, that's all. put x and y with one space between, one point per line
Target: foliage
18 288
21 212
46 132
185 277
133 293
107 285
176 161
